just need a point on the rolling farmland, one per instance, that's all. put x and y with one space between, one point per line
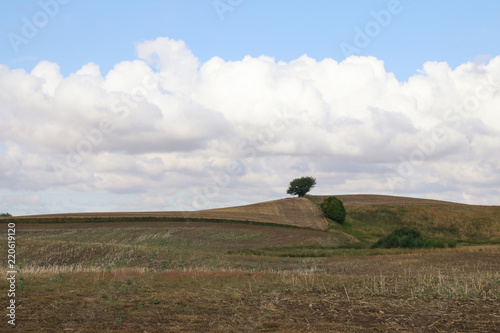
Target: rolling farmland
213 271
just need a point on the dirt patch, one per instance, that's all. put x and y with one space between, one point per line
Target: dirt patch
231 301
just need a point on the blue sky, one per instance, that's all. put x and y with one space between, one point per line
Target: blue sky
105 32
389 97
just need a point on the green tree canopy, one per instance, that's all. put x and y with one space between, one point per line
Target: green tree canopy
333 208
300 186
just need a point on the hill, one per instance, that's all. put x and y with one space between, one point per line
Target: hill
299 212
148 270
381 200
369 217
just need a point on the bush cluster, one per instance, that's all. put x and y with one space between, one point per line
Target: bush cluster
333 208
5 215
406 238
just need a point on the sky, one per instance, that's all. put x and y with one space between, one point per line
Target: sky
184 105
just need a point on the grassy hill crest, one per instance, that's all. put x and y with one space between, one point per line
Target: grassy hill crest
369 217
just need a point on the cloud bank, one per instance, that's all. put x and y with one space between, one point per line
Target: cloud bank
169 132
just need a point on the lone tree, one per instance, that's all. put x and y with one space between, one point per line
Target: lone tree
333 208
300 186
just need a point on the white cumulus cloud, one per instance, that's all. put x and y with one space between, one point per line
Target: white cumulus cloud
225 132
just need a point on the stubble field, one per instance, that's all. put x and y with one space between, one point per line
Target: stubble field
221 277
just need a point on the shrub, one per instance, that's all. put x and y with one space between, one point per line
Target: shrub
406 238
333 208
5 215
452 244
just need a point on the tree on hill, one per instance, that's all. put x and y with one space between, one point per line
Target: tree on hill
5 215
300 186
333 208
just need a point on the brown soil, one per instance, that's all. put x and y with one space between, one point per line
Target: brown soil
415 292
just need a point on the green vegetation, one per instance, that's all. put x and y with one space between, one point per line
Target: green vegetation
334 209
300 186
5 215
131 274
463 224
406 238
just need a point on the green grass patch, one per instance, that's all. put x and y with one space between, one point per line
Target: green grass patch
445 223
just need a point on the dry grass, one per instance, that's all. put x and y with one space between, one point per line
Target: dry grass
369 217
292 211
381 200
447 222
412 292
203 277
157 245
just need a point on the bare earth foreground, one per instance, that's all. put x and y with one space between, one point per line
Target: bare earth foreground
113 274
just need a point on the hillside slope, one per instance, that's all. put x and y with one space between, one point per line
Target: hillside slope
381 200
299 212
370 217
292 211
